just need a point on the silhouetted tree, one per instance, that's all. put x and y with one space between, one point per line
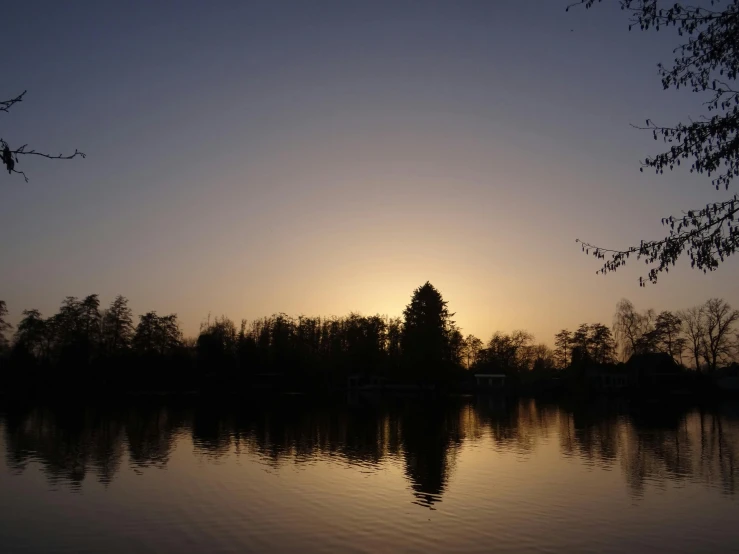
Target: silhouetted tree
508 353
117 325
217 343
157 334
694 325
471 350
667 330
67 325
308 339
32 334
648 343
91 318
425 330
719 321
543 358
365 337
581 345
282 341
455 345
593 344
707 63
4 326
10 156
602 346
563 351
74 330
394 341
630 326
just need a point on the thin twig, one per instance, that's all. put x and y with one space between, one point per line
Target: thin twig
22 150
5 105
20 172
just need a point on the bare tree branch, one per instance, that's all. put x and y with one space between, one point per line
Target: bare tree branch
10 156
5 105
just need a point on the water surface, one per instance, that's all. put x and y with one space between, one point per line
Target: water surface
303 475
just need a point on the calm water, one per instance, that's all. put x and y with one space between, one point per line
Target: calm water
296 475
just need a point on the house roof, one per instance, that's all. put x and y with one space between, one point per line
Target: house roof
653 360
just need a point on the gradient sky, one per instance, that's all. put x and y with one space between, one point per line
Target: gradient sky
322 157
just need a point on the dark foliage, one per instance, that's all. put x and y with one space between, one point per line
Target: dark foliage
4 327
80 346
429 338
707 63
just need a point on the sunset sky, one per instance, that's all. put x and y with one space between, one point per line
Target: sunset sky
322 157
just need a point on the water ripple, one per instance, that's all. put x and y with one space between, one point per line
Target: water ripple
460 477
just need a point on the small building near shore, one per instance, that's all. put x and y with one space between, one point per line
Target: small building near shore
490 380
272 380
361 381
604 379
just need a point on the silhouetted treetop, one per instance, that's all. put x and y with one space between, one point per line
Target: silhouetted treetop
157 334
630 327
427 327
718 342
563 348
32 333
117 325
666 335
4 325
427 308
471 349
706 62
9 155
591 343
508 353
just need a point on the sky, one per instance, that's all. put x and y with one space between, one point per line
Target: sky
250 158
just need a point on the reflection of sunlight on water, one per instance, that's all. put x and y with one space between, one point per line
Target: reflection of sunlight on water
481 470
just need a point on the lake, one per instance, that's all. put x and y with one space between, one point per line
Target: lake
301 474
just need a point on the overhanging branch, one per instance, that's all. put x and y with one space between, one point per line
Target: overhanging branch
9 157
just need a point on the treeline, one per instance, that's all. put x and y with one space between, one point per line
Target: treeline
706 334
704 338
84 345
517 353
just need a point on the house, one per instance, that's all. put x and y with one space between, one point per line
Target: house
727 379
656 370
728 384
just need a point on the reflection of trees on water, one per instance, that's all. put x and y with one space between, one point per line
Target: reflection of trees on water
591 434
150 434
703 447
430 438
674 445
291 433
657 444
67 444
519 427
